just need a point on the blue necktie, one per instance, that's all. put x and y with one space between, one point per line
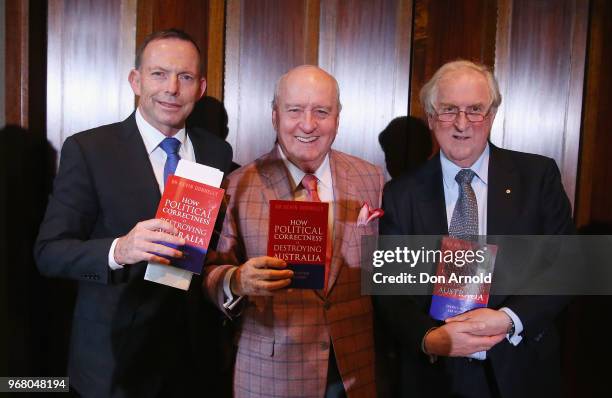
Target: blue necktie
464 223
171 147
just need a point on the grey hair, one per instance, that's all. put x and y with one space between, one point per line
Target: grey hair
282 79
429 92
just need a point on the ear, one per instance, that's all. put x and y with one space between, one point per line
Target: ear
337 121
134 79
275 119
202 87
431 122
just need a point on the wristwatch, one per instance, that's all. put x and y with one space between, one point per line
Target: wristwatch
511 328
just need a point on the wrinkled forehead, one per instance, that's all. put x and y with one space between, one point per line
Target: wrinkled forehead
463 87
308 85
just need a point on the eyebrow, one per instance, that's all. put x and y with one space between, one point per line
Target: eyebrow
442 104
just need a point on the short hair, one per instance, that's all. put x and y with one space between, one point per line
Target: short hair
284 76
429 92
167 34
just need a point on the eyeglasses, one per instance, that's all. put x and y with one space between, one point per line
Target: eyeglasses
451 116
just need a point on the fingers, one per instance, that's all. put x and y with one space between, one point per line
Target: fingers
458 318
267 262
144 243
157 224
261 276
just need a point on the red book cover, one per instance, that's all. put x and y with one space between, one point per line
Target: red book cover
463 277
298 234
192 207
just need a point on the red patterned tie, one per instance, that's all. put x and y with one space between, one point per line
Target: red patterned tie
309 182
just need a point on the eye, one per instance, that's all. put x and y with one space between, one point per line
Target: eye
321 113
186 77
475 109
158 74
448 109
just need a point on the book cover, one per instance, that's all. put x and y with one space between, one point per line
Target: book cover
298 234
463 277
192 207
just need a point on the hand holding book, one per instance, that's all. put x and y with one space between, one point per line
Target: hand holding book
460 339
495 322
260 276
143 243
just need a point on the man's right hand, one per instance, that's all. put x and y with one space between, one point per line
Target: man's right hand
141 242
260 276
460 339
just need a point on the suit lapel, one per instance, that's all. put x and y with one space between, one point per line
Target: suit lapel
138 172
275 177
343 193
430 204
503 194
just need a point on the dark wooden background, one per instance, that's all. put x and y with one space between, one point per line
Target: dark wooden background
68 61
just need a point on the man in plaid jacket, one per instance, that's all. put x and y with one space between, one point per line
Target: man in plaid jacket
299 342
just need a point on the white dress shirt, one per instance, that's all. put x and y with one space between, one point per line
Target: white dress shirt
152 138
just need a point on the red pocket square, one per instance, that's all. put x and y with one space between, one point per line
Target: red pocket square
367 214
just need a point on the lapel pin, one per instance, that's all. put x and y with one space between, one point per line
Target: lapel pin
508 190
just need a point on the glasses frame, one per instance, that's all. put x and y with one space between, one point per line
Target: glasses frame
467 116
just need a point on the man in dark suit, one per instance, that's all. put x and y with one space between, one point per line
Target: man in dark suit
131 337
509 349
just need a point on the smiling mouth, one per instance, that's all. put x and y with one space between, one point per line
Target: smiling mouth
306 139
169 105
461 137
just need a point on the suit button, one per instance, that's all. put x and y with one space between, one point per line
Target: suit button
327 304
325 346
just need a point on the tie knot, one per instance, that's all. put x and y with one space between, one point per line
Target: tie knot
309 182
170 145
465 176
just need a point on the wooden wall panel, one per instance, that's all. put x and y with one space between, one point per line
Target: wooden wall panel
445 30
202 19
25 61
366 46
595 189
265 38
90 53
540 66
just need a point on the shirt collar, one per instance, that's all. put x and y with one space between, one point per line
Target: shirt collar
323 172
151 136
480 167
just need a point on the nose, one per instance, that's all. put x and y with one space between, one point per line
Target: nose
172 86
308 123
461 122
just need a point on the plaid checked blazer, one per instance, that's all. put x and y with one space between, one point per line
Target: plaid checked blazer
283 341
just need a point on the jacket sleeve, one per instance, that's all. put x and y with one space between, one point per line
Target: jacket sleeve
63 247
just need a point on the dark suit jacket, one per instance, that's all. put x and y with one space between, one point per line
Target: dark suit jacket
130 337
414 204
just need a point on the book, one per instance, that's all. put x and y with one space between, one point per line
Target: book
169 275
298 234
192 207
463 277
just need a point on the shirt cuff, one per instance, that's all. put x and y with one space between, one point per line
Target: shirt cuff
230 300
111 257
479 355
515 339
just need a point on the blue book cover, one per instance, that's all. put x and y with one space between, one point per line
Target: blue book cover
463 277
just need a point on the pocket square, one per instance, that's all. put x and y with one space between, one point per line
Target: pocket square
367 214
